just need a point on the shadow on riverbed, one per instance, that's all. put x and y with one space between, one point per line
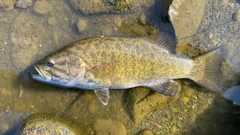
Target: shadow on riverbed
221 118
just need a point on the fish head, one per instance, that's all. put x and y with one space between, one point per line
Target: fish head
61 69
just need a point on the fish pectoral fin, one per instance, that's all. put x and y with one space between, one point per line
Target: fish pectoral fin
103 95
82 72
167 87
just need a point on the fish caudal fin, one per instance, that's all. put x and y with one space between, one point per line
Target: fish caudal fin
207 71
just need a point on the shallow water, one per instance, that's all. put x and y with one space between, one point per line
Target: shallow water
28 35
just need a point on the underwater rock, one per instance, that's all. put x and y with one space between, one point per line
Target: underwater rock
109 127
143 101
109 6
24 3
26 33
186 16
118 21
44 126
7 4
42 7
134 27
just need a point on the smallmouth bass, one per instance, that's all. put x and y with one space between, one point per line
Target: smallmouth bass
105 63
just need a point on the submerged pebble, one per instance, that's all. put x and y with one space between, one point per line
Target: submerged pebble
118 21
42 7
220 4
24 3
82 25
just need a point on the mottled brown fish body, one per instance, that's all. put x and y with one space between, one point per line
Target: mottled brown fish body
101 64
126 62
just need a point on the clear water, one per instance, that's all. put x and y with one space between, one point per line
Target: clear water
26 37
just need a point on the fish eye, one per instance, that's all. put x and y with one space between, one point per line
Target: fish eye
50 63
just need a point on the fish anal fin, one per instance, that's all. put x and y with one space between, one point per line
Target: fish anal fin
103 95
167 87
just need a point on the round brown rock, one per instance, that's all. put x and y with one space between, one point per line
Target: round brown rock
43 126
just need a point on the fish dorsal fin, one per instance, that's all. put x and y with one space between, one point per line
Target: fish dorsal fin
167 87
164 40
103 95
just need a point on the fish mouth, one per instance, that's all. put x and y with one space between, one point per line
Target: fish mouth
39 76
38 71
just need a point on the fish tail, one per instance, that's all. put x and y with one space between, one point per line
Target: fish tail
207 71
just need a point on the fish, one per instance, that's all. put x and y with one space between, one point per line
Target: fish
233 94
107 63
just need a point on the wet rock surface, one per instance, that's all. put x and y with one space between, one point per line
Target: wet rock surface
185 19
